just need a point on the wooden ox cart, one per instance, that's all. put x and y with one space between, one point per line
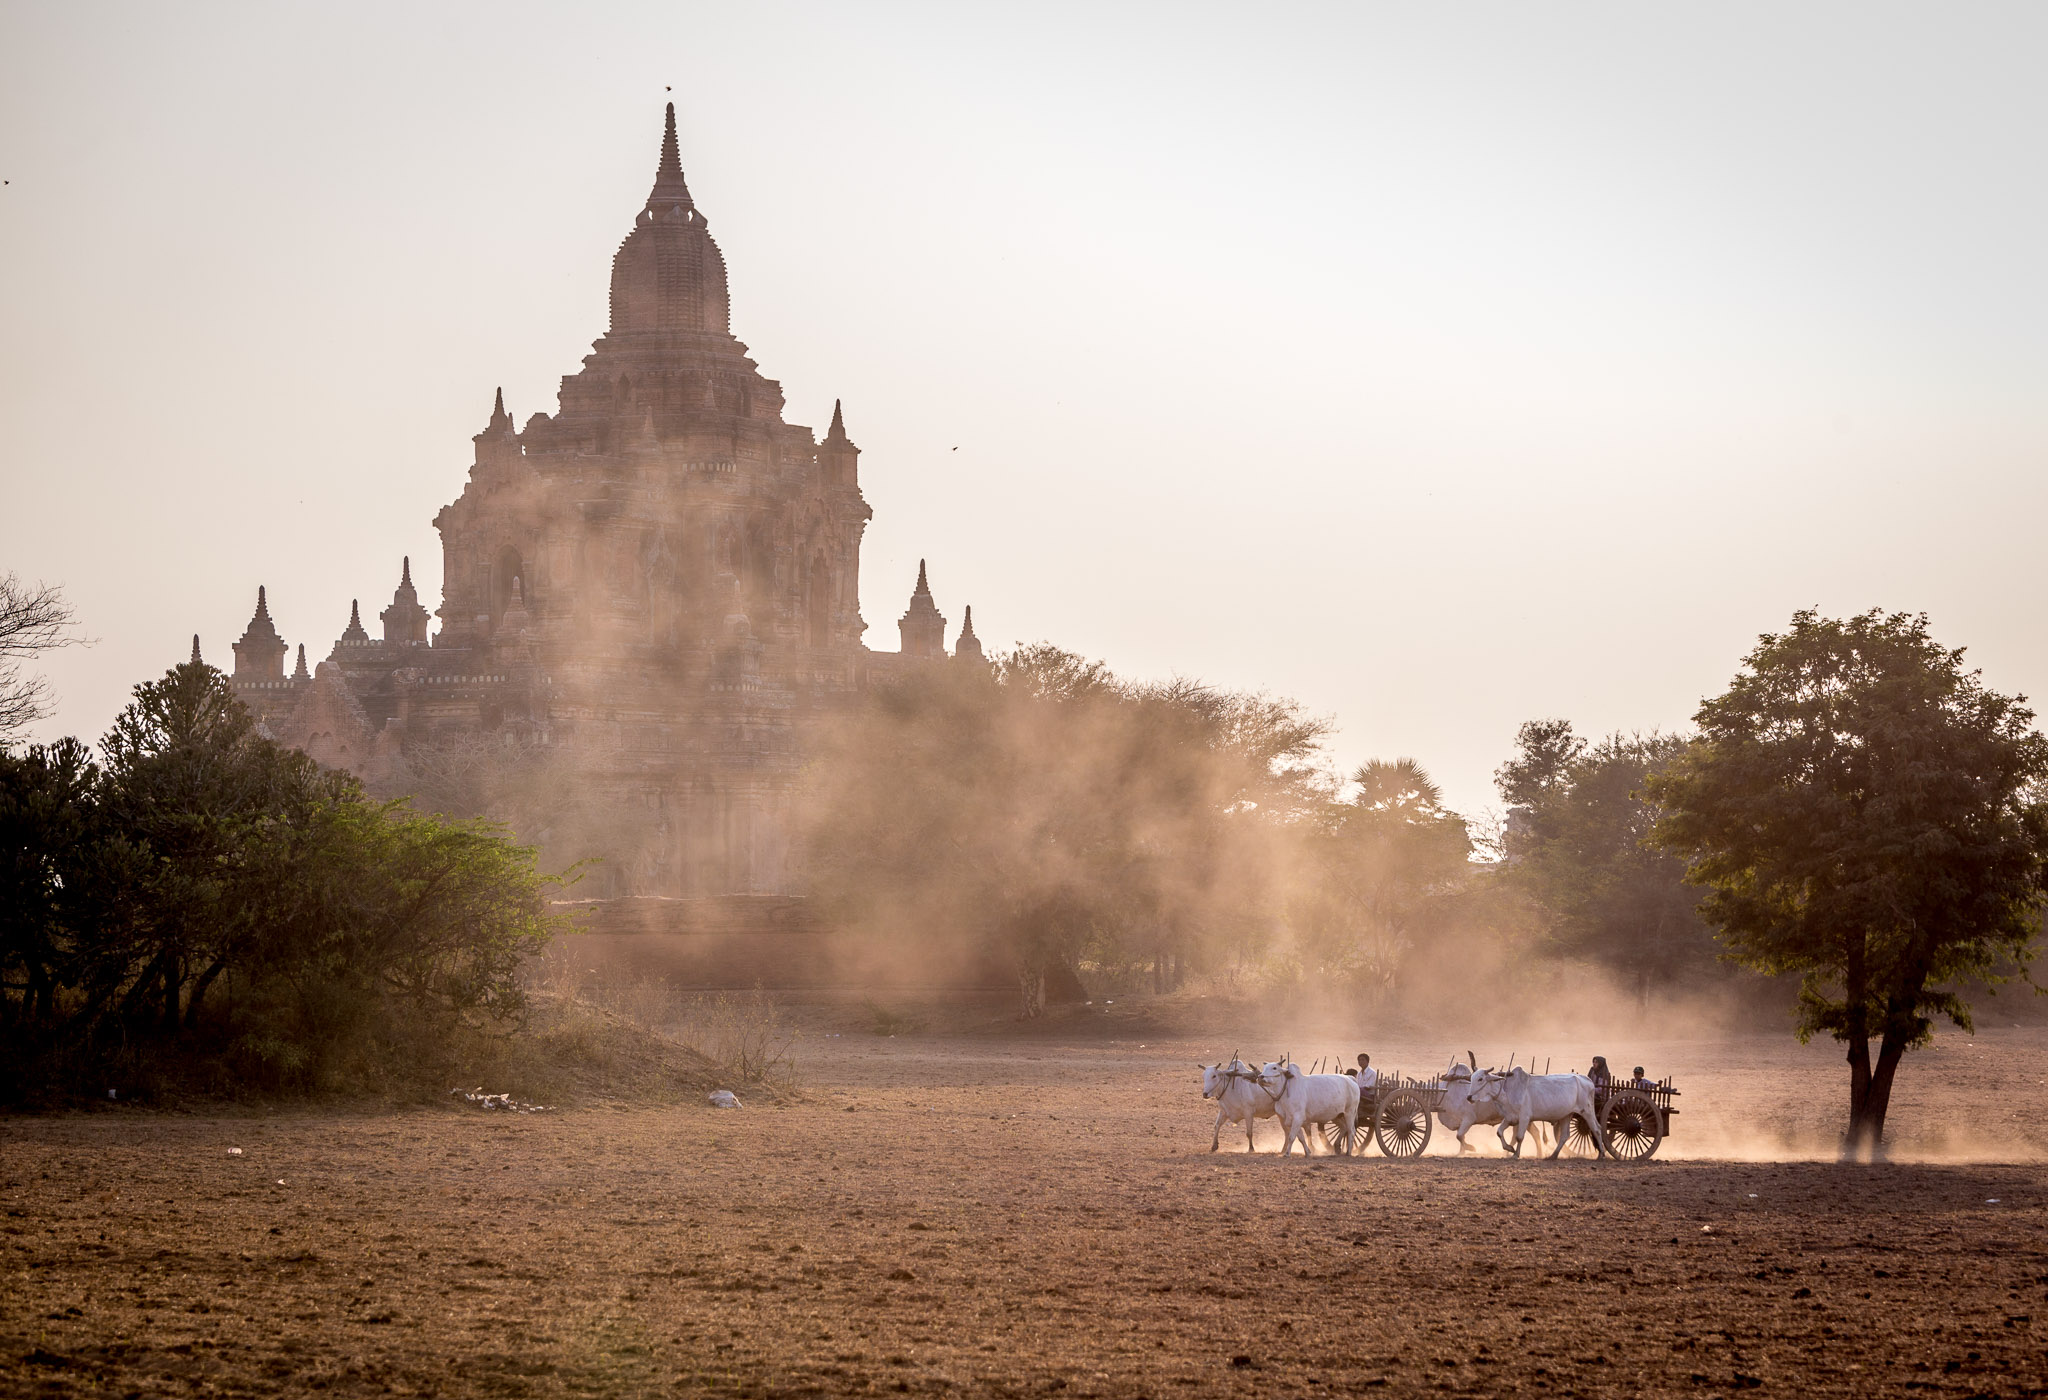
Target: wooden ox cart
1399 1114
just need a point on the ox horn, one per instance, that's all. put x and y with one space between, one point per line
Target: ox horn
1472 1060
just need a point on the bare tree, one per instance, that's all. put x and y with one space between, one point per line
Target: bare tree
33 619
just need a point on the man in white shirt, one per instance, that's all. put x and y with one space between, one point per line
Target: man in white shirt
1368 1077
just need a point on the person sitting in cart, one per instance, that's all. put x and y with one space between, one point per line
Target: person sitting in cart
1599 1074
1639 1082
1368 1077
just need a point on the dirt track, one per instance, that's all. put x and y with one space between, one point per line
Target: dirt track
985 1217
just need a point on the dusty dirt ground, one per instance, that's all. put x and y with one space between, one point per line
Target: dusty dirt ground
1034 1216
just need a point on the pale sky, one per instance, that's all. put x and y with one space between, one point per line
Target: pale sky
1440 366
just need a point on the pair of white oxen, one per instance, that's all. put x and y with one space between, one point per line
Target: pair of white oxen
1471 1097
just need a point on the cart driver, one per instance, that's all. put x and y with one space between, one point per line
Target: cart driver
1368 1077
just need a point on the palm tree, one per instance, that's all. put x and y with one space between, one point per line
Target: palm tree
1400 786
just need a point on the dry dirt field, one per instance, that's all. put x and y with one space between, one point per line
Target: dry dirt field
1036 1216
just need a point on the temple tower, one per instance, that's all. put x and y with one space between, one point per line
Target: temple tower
259 656
405 621
922 630
968 648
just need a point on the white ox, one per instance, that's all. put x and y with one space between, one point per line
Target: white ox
1305 1100
1524 1098
1239 1098
1458 1110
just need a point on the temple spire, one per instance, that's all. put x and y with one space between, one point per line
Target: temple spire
195 650
670 188
969 645
923 629
354 631
501 421
671 154
838 458
405 621
259 656
300 674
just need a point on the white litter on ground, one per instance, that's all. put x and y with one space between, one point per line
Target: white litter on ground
504 1102
724 1098
234 1152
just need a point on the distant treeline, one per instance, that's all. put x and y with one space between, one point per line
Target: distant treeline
198 904
1078 826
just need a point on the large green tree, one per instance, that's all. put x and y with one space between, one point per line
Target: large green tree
1863 813
1577 819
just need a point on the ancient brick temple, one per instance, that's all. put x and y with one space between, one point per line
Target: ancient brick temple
650 598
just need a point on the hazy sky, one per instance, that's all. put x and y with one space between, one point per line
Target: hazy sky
1440 366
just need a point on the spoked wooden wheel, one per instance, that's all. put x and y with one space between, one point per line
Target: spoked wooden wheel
1578 1140
1633 1125
1333 1136
1403 1124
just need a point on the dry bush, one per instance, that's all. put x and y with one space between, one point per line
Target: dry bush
744 1036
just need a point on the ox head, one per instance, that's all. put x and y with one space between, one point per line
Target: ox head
1217 1078
1275 1075
1488 1084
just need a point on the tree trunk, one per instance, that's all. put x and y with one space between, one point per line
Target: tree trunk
143 987
1031 986
1879 1100
1855 1008
174 981
199 991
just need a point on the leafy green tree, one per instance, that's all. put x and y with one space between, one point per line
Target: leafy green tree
216 810
203 854
1379 870
1863 813
50 830
1575 845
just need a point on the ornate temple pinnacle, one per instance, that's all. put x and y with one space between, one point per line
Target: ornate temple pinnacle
501 421
922 628
671 154
968 648
670 188
260 653
837 432
405 569
195 650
